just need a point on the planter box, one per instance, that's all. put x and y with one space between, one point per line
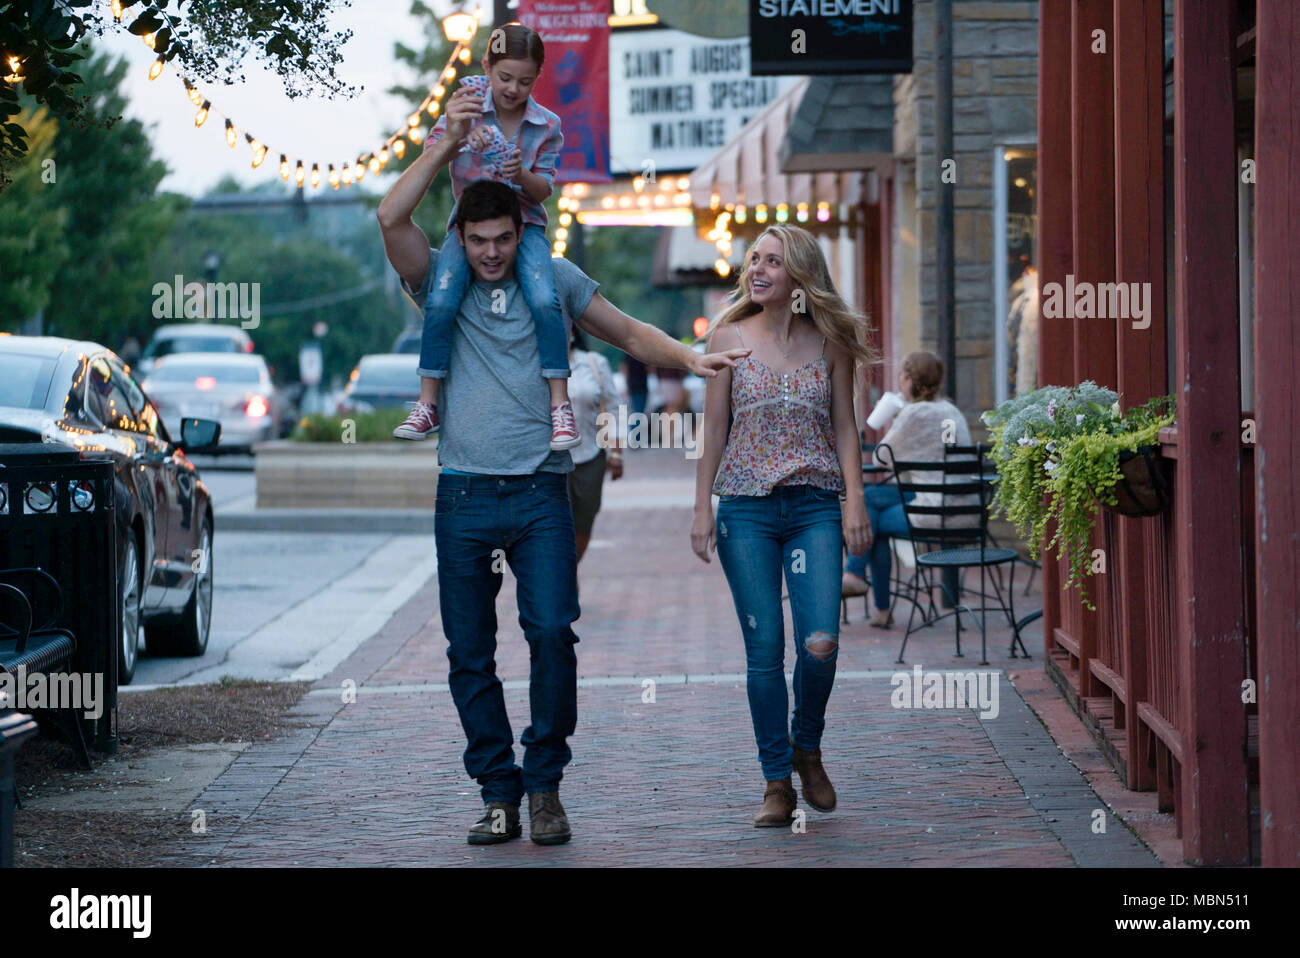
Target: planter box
336 475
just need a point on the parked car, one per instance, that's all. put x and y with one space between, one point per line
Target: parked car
231 388
80 394
382 381
408 341
193 338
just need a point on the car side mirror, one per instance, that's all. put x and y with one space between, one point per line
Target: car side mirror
199 435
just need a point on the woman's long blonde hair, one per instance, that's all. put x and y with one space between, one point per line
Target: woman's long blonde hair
837 320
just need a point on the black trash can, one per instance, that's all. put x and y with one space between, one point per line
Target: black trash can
15 727
57 514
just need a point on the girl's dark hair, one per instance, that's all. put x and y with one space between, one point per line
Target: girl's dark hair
514 41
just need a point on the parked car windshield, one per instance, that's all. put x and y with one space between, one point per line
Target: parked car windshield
191 344
188 371
24 380
388 376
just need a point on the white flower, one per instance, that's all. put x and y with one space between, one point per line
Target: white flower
1051 447
1051 466
1078 419
1027 441
1115 410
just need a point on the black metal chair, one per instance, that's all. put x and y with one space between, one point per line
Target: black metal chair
35 643
958 541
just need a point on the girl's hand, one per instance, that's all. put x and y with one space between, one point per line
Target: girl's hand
702 538
857 527
461 111
513 167
479 138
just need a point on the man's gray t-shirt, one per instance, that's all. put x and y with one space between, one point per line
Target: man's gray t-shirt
494 406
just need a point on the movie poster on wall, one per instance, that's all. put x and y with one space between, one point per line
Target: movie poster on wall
574 82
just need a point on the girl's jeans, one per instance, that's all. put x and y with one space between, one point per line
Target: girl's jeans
885 510
536 278
796 529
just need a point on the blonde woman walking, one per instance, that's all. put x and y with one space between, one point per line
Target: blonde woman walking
788 449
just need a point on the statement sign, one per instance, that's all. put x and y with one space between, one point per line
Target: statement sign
830 36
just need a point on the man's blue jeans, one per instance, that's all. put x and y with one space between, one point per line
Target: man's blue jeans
796 529
885 510
536 278
525 520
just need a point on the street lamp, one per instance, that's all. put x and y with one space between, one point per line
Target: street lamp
459 27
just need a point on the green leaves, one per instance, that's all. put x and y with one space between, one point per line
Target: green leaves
1055 472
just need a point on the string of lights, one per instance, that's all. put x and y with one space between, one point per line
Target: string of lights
461 28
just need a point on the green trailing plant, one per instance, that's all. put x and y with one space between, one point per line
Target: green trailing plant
1057 451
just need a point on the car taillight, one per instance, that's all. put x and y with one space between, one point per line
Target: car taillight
248 346
205 382
256 407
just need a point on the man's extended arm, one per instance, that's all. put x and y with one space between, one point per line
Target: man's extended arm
404 242
648 343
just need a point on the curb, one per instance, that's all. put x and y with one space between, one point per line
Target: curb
407 521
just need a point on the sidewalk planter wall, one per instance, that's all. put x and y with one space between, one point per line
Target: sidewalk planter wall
337 475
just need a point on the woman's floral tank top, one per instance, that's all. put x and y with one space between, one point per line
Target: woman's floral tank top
781 431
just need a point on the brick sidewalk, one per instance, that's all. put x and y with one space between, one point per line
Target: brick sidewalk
674 782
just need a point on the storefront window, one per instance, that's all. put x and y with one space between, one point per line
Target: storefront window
1015 185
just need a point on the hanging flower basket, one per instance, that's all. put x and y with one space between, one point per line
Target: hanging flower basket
1144 488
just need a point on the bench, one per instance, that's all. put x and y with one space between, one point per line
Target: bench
30 640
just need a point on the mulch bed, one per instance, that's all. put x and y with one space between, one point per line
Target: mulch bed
226 711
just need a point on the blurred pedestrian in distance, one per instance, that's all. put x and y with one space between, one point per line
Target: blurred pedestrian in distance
592 392
638 388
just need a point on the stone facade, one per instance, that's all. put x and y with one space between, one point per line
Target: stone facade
995 79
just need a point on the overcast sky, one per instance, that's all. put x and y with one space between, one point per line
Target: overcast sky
316 129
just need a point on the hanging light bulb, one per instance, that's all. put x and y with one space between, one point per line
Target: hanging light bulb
449 73
155 68
383 157
259 151
347 174
148 39
300 174
333 177
284 168
192 92
399 147
438 91
230 134
464 55
203 113
416 134
433 109
117 10
360 170
413 120
722 267
374 163
315 175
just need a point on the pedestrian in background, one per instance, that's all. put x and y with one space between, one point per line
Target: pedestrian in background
638 388
593 393
787 453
